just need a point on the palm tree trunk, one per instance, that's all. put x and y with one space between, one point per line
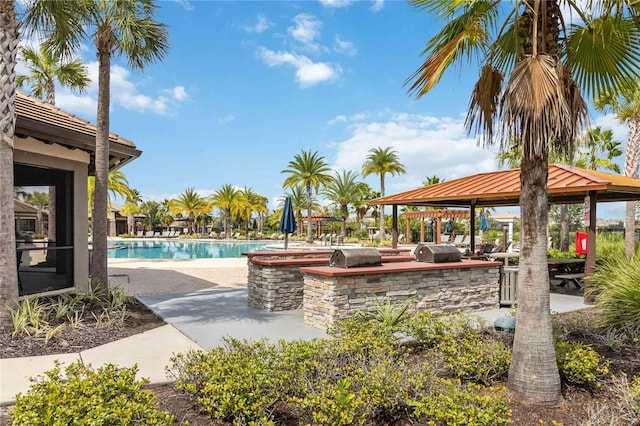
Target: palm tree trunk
9 39
381 214
631 170
564 227
99 275
533 374
309 224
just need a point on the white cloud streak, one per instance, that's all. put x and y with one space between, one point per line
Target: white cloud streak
377 5
262 24
335 4
344 46
308 73
306 30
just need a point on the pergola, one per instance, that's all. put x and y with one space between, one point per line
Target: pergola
437 216
565 185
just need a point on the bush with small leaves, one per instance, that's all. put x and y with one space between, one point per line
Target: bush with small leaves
453 403
108 396
579 364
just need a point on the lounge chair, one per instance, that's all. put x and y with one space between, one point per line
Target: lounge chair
148 234
140 234
165 234
457 241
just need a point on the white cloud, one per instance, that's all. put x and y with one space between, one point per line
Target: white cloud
226 119
262 24
377 5
344 46
186 4
306 30
335 4
425 145
83 104
308 73
179 93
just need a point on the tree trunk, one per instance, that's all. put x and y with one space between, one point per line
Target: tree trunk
9 39
99 274
564 227
381 214
309 224
130 220
631 170
533 374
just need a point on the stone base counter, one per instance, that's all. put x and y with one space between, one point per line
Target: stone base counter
332 294
274 280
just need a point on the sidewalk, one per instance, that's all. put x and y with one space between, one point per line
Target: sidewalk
196 320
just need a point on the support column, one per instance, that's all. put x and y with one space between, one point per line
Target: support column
590 263
394 226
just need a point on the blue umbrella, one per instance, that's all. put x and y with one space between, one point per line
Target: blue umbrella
484 222
287 221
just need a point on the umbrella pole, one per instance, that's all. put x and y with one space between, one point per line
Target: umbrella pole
286 240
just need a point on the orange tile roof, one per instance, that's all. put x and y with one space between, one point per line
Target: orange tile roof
49 123
502 188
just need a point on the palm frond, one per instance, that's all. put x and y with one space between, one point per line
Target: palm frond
484 103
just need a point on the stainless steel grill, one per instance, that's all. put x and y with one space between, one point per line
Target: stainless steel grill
355 257
432 253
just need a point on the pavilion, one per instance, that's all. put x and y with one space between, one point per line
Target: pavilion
565 185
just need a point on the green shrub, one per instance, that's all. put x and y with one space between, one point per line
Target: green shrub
83 396
390 314
579 364
476 359
615 287
430 329
451 403
609 246
239 382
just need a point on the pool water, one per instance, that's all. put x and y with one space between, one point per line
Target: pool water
136 249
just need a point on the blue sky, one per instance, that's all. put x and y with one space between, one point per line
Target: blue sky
249 84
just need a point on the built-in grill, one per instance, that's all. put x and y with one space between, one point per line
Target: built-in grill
433 253
355 257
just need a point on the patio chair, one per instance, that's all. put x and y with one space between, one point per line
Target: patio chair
457 241
213 234
148 234
140 234
165 234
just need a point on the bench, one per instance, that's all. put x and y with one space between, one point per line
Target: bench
576 279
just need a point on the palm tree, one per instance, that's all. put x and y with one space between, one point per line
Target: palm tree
41 201
229 200
45 69
131 208
152 210
432 180
309 170
540 106
252 202
380 162
191 204
117 184
600 150
9 38
624 102
343 190
117 28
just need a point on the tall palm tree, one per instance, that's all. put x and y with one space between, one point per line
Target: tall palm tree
191 204
344 190
45 70
299 203
380 162
624 102
124 28
543 65
598 149
310 170
152 210
432 180
9 38
252 202
229 200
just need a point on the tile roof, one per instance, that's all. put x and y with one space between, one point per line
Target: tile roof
49 123
566 184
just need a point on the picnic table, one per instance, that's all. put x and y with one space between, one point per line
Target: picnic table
567 270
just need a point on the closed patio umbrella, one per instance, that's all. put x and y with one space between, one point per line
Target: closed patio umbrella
287 221
484 222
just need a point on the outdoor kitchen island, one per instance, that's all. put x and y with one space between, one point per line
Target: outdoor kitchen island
333 293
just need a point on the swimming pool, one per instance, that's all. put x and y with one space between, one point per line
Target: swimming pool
137 249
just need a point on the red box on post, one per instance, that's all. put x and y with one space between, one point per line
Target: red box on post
581 242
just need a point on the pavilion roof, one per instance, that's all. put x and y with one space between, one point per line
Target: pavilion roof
566 185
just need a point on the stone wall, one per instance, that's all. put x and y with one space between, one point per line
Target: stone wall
331 298
274 288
